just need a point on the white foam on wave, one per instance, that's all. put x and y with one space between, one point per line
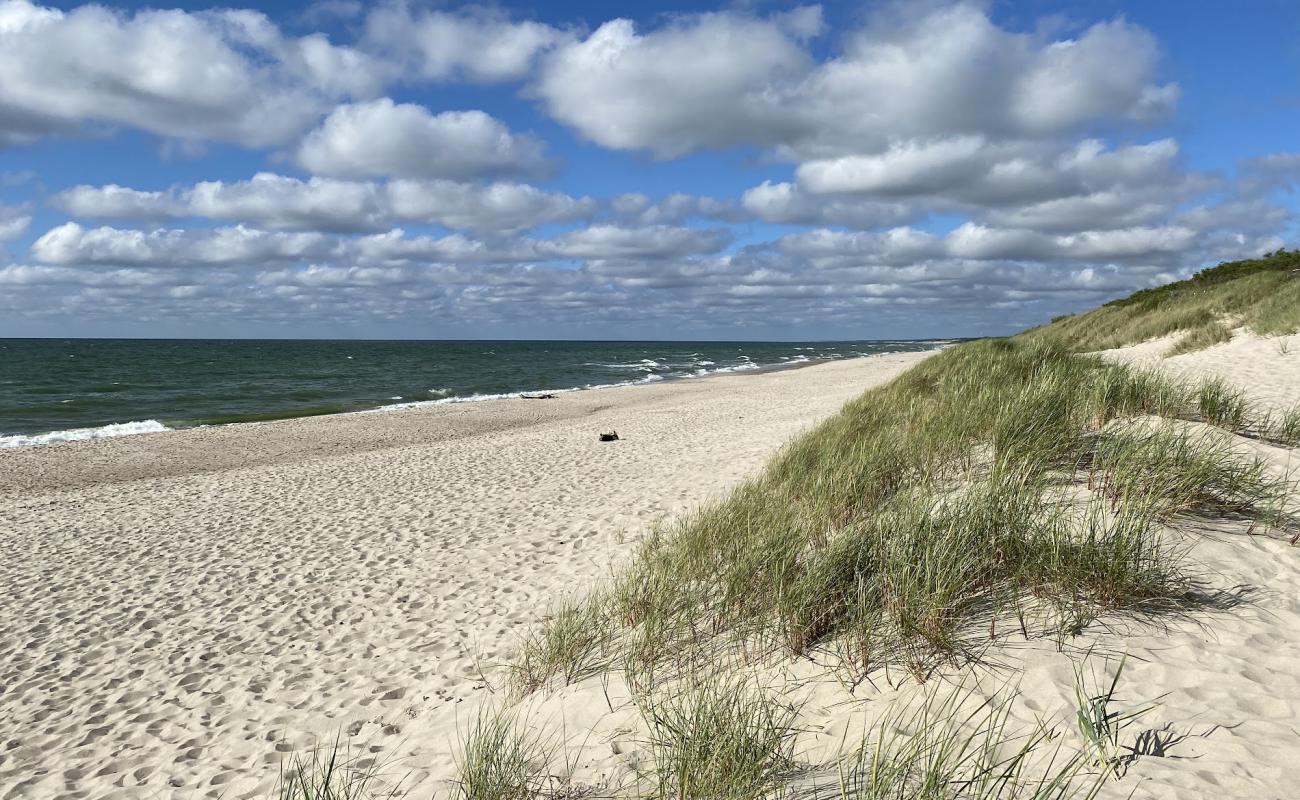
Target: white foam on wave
81 434
479 398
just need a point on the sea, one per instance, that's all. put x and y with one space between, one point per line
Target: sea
56 390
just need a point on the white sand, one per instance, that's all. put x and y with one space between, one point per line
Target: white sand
181 609
1268 368
187 607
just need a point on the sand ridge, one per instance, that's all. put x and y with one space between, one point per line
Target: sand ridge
184 608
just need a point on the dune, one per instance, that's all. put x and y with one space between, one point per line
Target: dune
1212 689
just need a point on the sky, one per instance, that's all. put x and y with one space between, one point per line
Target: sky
590 170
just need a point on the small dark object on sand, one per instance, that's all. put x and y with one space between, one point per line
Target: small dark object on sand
609 437
538 396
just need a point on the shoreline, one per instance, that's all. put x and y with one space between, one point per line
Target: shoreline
215 448
140 427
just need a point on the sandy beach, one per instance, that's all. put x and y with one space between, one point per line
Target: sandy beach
187 609
183 609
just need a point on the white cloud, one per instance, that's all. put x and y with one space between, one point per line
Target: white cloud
905 168
12 224
615 241
974 171
478 45
275 201
674 209
702 83
971 241
786 204
70 243
499 207
402 139
118 202
734 80
225 75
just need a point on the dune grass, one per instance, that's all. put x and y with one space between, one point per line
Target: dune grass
501 759
566 645
1260 294
718 739
1183 473
332 772
1287 426
929 508
941 749
1100 723
1222 405
1205 335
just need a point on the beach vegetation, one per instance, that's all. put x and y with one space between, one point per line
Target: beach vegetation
1259 294
566 645
501 759
953 745
718 738
333 772
1287 426
1222 404
1100 722
1205 335
999 480
1002 487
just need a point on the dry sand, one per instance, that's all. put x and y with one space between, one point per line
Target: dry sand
188 607
182 609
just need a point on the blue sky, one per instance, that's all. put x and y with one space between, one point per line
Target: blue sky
755 170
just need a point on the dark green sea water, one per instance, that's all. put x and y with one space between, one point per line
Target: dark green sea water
54 390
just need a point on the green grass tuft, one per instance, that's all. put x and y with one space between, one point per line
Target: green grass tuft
1221 404
333 773
1206 335
566 645
719 739
501 760
939 749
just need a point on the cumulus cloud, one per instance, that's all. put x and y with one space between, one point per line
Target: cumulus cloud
500 207
71 243
1050 186
731 79
268 200
13 223
977 172
639 209
786 204
477 44
603 242
706 82
1158 245
402 139
225 75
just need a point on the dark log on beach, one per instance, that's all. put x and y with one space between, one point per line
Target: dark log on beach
538 396
609 437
